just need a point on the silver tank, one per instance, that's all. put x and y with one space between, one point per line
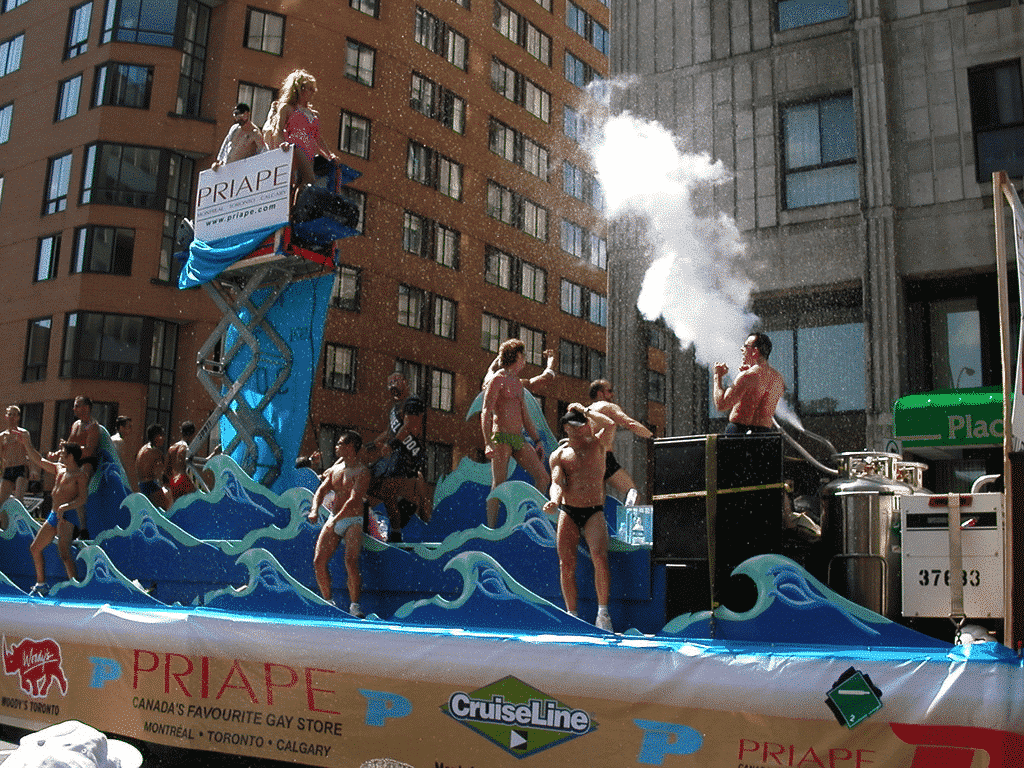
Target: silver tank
860 529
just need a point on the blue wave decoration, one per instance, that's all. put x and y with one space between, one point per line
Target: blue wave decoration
491 599
101 583
793 607
270 590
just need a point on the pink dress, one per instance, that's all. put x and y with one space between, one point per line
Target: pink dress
303 130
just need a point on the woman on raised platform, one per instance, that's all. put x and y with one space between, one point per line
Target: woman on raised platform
293 120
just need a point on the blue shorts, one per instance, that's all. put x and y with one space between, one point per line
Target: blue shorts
70 516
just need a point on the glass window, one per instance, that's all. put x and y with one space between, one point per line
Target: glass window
537 101
802 13
6 113
572 298
10 54
584 25
997 114
58 178
442 390
47 256
177 205
500 203
493 331
122 174
820 140
369 7
151 22
414 233
573 238
656 386
503 140
444 313
10 5
359 63
598 252
355 135
68 95
106 346
258 98
264 31
535 220
499 268
598 310
192 68
534 282
534 341
340 367
435 35
449 180
346 288
79 19
577 71
446 246
103 249
410 306
956 343
122 85
37 349
572 359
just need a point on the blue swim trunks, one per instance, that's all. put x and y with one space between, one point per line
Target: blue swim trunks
70 515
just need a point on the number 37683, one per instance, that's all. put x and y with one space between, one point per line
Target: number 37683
937 577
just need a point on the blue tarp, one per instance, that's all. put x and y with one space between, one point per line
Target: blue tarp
207 260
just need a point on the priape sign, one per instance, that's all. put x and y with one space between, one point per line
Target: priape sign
244 196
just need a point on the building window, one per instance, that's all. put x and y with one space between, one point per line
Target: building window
192 70
37 349
516 28
820 141
572 298
598 255
108 346
79 20
347 282
32 421
431 240
545 4
434 35
10 54
177 205
574 125
359 62
506 141
997 113
358 199
802 13
10 5
58 178
438 103
151 22
6 113
439 462
578 72
520 90
579 361
258 98
434 170
534 282
442 390
514 274
47 257
494 330
656 386
426 311
340 367
584 25
107 250
264 31
583 186
122 85
68 95
369 7
515 210
140 177
354 135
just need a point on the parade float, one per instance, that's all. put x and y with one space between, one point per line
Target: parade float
197 627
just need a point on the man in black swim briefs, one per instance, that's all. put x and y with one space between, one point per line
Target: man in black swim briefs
577 491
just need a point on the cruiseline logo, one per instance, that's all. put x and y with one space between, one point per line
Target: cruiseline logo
517 717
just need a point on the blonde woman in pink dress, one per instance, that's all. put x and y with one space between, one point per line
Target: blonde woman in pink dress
294 121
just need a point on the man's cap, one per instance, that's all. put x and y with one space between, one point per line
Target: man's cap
573 417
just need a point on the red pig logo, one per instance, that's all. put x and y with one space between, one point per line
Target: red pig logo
37 664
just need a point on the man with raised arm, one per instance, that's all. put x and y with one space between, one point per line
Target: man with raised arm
577 491
756 391
601 394
70 491
349 479
502 421
86 433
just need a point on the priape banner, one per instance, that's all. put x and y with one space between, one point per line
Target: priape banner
343 693
244 196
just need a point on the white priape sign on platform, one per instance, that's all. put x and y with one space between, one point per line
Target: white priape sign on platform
244 196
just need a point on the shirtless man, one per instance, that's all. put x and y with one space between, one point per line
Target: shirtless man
502 420
577 490
534 383
149 465
243 138
70 491
177 456
349 479
122 427
12 454
753 396
86 433
601 402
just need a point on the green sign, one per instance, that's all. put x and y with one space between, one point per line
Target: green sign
960 418
517 717
854 699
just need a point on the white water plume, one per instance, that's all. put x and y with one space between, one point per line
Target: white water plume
696 281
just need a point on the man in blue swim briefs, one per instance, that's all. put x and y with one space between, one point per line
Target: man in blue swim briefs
70 491
577 491
348 479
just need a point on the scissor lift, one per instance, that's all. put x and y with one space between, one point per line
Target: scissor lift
280 261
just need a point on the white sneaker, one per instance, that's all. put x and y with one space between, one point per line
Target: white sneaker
604 621
39 590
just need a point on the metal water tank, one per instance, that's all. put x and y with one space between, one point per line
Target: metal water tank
860 530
